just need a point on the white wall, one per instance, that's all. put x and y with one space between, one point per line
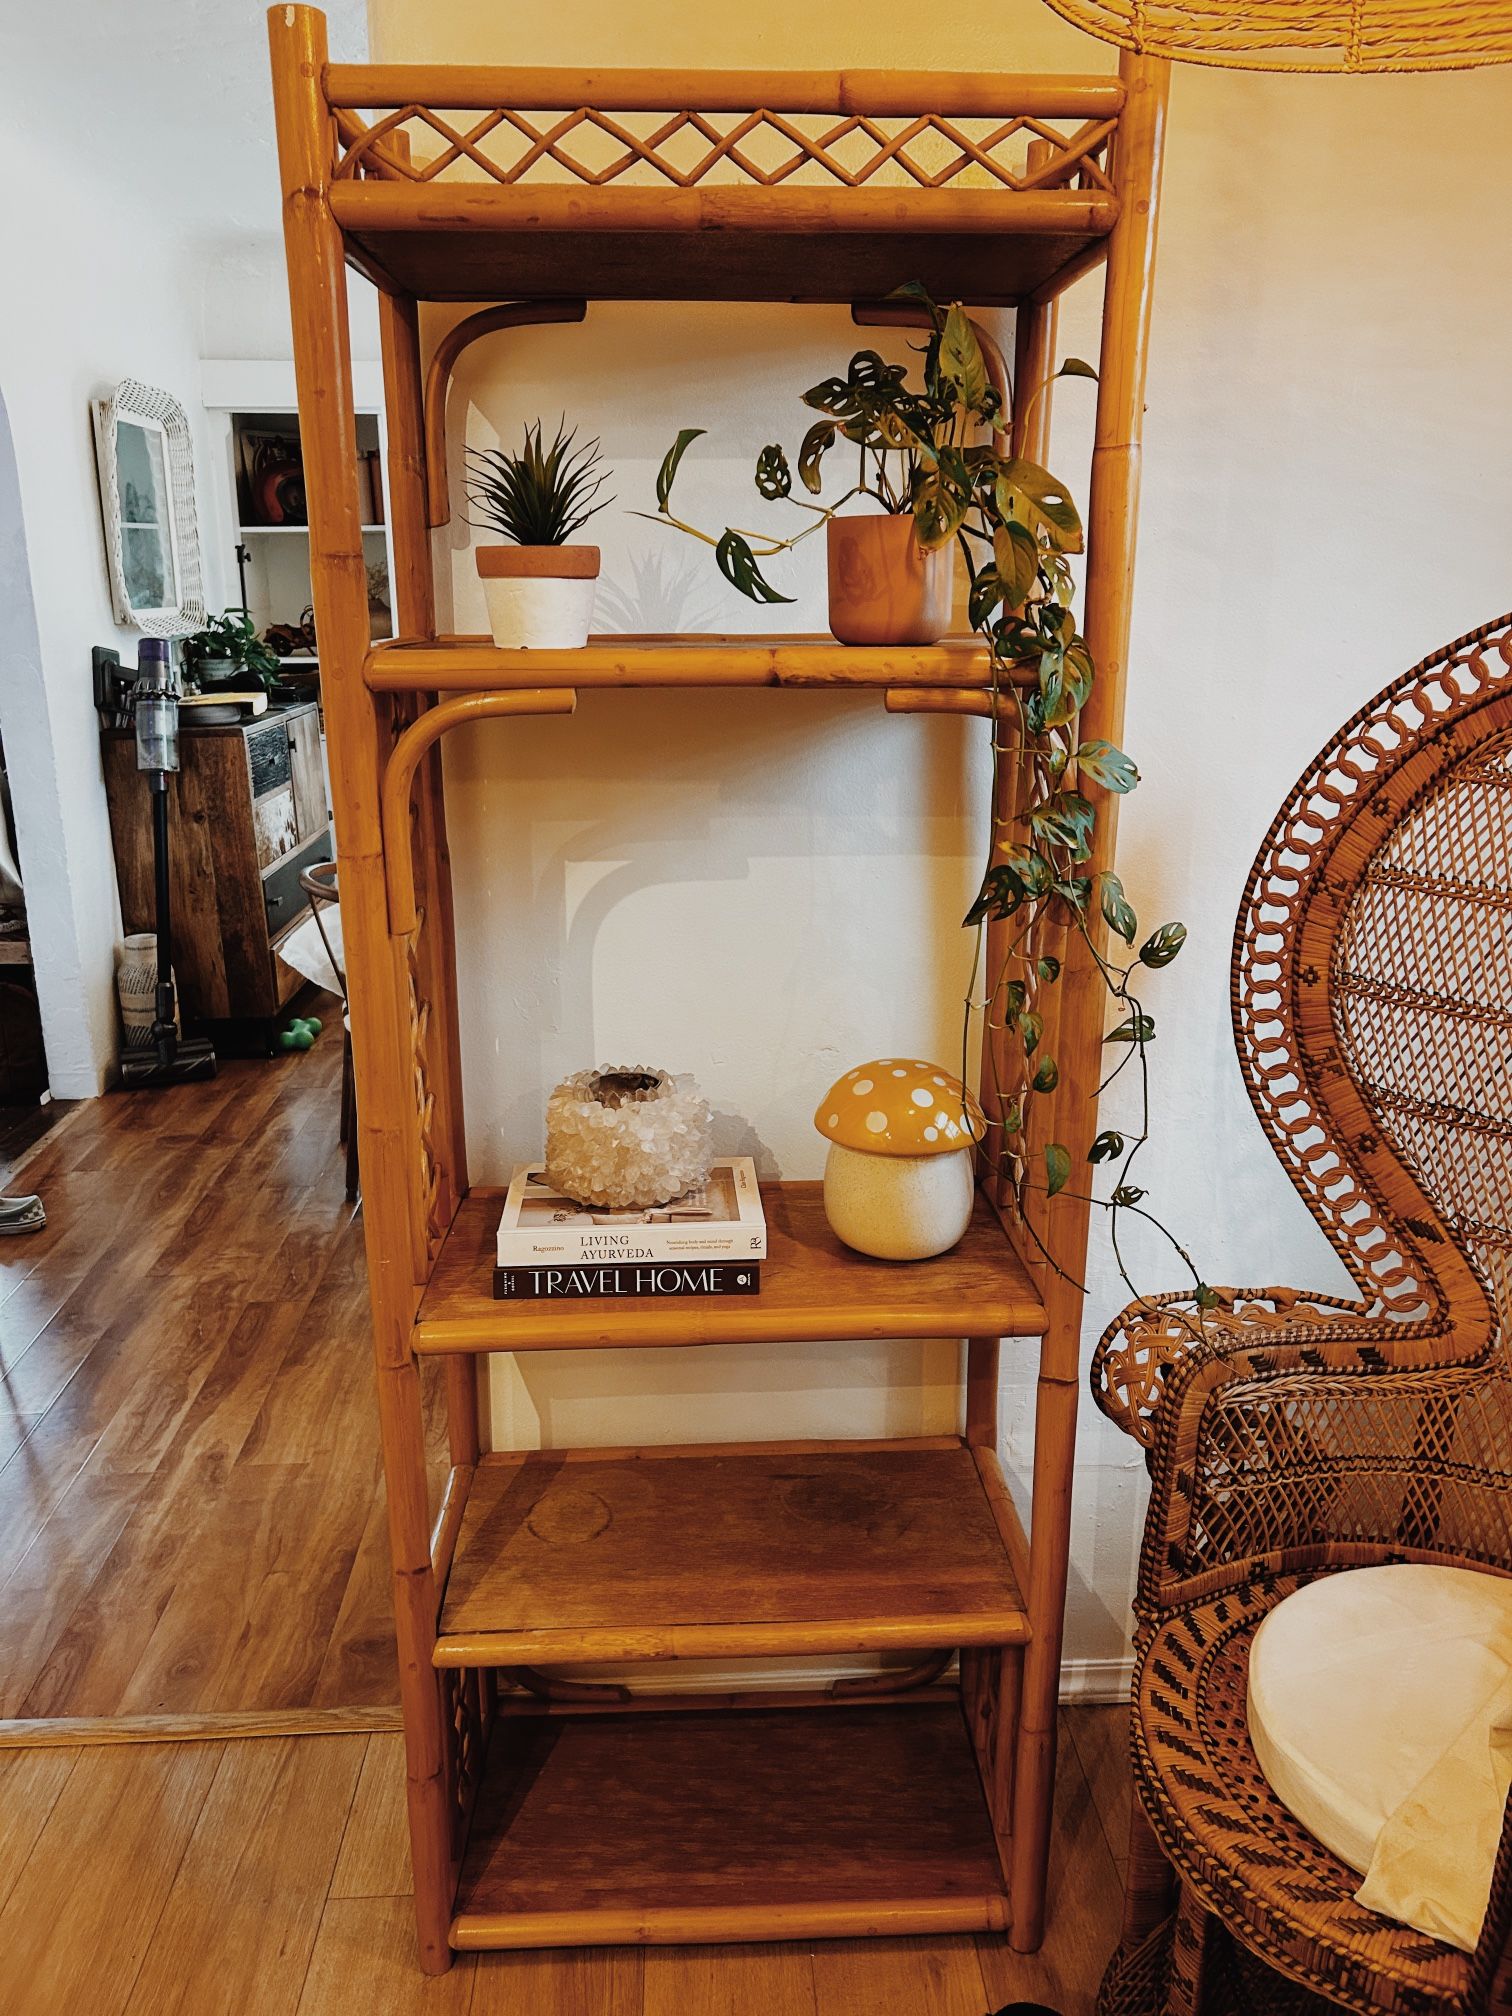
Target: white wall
97 292
764 888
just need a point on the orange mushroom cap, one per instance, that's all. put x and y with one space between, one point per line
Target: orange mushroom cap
900 1106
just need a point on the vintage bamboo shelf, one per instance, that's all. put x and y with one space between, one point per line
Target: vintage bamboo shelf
549 1806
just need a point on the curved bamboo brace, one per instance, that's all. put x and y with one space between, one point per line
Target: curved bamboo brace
399 778
507 315
901 1680
551 1687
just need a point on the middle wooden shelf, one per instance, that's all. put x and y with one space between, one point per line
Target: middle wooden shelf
813 1289
732 1551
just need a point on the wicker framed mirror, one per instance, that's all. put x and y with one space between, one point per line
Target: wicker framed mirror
145 454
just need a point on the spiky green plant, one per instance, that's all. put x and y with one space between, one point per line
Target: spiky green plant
537 496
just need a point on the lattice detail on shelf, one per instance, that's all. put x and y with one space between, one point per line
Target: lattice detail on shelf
434 1217
761 148
464 1693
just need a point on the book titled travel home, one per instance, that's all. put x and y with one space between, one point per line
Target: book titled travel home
648 1277
721 1220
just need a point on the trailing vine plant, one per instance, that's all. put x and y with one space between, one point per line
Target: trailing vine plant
921 452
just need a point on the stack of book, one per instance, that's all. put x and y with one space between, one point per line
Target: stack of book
709 1241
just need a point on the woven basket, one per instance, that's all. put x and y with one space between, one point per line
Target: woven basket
1302 35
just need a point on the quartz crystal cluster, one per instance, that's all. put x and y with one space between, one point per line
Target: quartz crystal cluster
627 1137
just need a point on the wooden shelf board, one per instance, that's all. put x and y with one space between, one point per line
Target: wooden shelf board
473 664
770 1824
578 1556
476 241
812 1289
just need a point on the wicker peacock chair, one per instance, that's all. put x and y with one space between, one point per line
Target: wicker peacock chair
1291 1435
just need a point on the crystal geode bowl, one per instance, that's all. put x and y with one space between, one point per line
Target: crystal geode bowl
626 1137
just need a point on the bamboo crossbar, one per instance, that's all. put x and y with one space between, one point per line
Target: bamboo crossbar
546 1647
364 208
878 94
474 665
727 1924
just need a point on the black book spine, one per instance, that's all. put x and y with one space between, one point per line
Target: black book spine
591 1280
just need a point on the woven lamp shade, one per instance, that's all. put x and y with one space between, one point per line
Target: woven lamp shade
1301 35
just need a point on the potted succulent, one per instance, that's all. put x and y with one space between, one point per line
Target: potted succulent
228 652
540 586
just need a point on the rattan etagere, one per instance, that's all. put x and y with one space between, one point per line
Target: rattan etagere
544 1810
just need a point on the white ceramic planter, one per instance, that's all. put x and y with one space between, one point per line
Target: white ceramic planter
898 1207
540 598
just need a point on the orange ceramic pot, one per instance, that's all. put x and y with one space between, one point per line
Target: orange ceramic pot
883 587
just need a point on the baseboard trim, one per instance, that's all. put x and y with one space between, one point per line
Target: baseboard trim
64 1732
1092 1680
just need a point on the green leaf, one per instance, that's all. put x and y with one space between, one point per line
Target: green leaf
1057 1168
1161 947
738 565
818 438
1108 1146
986 595
1048 967
1031 1026
1077 367
1075 890
1117 910
938 512
1047 1077
1128 1193
1016 552
774 479
1015 994
961 358
1206 1298
1067 820
1138 1029
1107 766
668 471
1039 500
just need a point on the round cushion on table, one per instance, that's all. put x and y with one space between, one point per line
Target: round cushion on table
1361 1681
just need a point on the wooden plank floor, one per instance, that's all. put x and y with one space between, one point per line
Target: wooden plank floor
191 1514
277 1869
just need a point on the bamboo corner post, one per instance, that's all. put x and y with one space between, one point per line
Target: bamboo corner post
1112 521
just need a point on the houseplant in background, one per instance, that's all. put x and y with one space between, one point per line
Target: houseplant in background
935 457
540 586
228 652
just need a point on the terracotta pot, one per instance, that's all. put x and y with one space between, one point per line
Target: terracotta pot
540 598
883 587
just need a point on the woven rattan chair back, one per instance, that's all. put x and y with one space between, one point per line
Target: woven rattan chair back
1372 995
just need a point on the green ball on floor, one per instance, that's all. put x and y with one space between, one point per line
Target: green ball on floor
300 1034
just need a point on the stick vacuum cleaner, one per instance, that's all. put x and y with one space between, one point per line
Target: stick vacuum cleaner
171 1059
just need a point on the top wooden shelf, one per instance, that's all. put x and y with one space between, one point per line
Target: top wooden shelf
464 184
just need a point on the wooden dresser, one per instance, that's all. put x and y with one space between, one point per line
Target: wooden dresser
249 815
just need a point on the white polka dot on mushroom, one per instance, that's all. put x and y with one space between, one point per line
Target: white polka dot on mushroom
833 1120
876 1122
931 1133
922 1096
861 1087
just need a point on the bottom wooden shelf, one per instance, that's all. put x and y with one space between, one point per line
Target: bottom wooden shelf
709 1826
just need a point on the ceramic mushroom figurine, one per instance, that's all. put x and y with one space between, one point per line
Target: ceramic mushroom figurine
899 1182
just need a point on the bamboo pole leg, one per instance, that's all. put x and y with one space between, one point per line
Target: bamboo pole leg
382 1059
1112 518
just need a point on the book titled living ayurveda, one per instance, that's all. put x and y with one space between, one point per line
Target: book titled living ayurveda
720 1220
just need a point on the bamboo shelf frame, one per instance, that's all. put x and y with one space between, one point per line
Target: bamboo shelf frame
917 1800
